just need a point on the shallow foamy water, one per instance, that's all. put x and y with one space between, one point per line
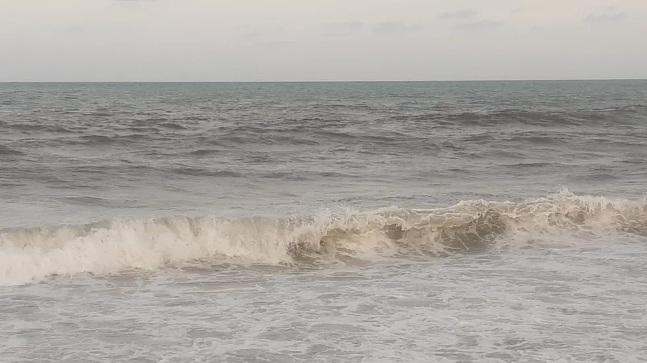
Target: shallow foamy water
584 302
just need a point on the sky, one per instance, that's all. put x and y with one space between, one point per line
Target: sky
321 40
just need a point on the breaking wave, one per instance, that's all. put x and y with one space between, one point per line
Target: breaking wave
29 255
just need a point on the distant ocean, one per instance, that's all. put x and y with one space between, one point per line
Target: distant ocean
323 222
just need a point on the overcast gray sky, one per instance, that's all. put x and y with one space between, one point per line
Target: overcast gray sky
283 40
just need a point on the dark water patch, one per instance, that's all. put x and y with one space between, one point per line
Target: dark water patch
100 171
192 171
335 135
99 201
507 154
471 154
86 200
225 141
142 128
512 116
418 117
286 175
442 107
133 137
593 117
70 97
152 115
257 158
306 119
40 176
449 145
333 174
530 165
172 126
205 152
600 173
480 138
195 118
429 146
97 139
63 111
377 138
624 143
10 184
40 127
344 148
5 150
259 137
98 114
596 177
466 118
389 137
283 139
147 121
634 161
537 138
459 170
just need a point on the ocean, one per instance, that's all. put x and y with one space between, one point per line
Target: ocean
323 222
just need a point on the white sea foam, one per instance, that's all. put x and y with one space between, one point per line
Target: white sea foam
28 255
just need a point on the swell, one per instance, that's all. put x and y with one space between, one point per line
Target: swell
28 255
521 116
620 114
397 130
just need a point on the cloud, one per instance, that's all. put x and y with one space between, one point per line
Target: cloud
467 21
276 44
459 14
479 25
250 35
605 18
71 29
391 28
607 15
342 28
134 3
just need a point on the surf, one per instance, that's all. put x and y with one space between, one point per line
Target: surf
30 255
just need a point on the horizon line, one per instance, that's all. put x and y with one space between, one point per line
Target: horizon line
357 81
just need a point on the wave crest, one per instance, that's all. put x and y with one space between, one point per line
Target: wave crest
28 255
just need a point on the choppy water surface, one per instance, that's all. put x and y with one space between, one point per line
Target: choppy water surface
493 221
